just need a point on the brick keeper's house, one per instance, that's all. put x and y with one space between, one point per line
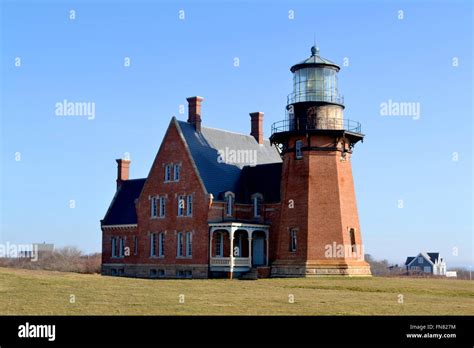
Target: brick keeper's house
221 204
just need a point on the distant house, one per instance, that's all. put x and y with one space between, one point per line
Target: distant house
430 263
38 249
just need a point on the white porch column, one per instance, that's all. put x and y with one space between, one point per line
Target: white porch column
210 244
249 233
268 250
231 236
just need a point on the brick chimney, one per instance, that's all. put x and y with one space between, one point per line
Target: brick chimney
194 111
257 126
123 167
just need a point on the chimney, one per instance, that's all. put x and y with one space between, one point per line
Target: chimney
257 126
123 167
194 112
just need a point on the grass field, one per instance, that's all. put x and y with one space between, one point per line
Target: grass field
49 293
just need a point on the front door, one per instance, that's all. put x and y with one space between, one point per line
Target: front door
258 257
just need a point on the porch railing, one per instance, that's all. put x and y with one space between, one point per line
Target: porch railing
225 261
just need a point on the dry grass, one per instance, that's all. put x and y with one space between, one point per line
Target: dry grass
35 292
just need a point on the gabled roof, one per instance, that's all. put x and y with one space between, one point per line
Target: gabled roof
433 256
219 176
122 209
430 257
409 260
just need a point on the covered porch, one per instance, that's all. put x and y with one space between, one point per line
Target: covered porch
236 247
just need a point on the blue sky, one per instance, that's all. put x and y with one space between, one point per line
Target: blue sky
73 158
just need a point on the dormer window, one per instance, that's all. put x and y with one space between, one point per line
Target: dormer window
229 203
257 200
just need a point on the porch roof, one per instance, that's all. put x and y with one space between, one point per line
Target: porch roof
238 225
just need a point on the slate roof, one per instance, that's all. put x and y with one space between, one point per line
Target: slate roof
433 256
409 259
122 209
264 179
219 177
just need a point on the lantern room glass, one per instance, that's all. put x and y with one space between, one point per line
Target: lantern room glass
315 84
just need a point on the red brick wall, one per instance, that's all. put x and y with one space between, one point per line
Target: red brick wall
173 150
322 188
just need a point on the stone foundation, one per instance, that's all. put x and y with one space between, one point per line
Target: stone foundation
321 268
156 271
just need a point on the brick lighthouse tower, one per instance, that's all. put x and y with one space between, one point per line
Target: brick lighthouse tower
319 232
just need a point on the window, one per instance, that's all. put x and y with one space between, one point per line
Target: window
189 244
420 259
257 205
189 205
121 246
184 274
219 245
229 199
162 206
293 240
353 241
114 271
179 244
176 172
161 245
168 172
153 273
153 244
298 149
154 207
135 245
181 204
427 269
114 247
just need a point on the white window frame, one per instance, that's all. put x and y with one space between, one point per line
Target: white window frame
427 269
181 209
257 201
179 244
189 244
299 149
154 206
420 259
293 240
162 208
161 244
135 245
114 246
229 203
220 245
153 240
189 205
168 173
176 172
121 246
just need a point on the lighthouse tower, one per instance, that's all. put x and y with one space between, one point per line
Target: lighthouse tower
318 232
